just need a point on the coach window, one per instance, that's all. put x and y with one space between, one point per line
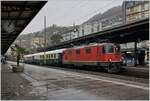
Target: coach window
51 56
41 56
88 50
78 51
54 56
48 56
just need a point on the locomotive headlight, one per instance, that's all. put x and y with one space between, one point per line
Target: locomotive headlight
109 59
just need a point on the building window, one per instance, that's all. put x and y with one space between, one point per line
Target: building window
98 28
92 30
82 31
146 6
146 14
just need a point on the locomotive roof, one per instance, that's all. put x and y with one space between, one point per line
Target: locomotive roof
55 51
48 52
92 44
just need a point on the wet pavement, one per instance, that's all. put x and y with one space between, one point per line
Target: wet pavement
53 84
14 86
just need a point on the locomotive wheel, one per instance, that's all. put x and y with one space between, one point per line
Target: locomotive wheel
113 68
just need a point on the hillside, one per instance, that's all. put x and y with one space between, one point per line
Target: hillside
109 13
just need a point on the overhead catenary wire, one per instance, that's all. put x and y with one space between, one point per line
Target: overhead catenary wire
89 15
93 13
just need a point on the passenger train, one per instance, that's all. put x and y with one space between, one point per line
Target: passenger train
106 55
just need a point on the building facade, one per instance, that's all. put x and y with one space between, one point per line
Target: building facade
127 12
37 42
135 10
112 21
70 34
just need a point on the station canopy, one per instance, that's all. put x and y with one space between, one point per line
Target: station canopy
15 16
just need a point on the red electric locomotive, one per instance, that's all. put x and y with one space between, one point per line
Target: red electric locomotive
105 55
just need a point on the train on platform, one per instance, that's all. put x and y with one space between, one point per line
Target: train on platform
105 55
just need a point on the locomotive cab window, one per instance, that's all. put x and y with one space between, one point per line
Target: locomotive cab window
108 49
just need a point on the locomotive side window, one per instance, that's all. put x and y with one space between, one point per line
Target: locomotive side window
108 49
88 50
103 49
78 51
69 52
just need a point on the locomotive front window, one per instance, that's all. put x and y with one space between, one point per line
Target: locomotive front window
117 49
108 49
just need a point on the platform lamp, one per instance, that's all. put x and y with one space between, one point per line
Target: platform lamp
8 26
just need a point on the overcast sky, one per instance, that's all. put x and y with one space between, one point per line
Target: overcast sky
67 12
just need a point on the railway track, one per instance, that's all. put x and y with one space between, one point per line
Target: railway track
129 75
134 76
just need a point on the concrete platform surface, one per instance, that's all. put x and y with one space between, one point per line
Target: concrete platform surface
14 86
53 84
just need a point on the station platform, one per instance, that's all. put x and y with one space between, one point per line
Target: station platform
14 86
42 83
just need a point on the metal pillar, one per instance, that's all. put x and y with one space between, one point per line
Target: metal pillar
135 53
44 39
